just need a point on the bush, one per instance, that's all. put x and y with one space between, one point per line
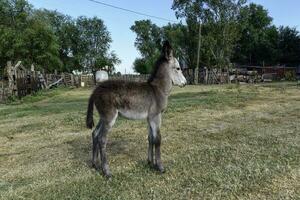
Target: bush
290 76
142 66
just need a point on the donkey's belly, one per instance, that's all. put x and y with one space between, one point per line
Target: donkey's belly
133 114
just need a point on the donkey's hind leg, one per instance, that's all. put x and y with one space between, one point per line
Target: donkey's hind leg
95 136
106 125
155 123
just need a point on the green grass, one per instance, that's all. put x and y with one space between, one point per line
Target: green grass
219 142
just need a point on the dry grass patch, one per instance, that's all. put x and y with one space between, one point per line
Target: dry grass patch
219 142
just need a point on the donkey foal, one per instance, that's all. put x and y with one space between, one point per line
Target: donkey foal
134 101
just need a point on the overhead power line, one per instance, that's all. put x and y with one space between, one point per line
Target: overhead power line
132 11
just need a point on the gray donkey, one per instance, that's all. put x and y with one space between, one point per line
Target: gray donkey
134 101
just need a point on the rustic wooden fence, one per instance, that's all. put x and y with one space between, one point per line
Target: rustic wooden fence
131 77
88 80
246 74
19 81
207 76
4 92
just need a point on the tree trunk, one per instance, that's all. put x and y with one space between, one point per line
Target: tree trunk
196 76
206 76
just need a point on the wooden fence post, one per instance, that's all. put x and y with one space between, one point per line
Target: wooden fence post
10 75
2 97
236 76
206 75
228 75
72 79
63 78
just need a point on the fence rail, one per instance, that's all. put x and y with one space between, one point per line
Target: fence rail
20 82
246 74
88 80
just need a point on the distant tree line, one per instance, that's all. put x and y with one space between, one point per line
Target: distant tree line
53 41
232 31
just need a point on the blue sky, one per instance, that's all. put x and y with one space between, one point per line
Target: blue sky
118 22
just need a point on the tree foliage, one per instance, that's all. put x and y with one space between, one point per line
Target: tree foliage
53 41
289 46
219 29
231 32
220 33
25 38
258 42
148 42
95 41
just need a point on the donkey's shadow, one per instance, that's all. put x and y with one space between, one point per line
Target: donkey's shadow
81 149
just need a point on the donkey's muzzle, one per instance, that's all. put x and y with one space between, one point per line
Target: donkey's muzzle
183 85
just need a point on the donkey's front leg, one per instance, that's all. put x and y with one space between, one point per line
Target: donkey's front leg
155 123
157 143
150 147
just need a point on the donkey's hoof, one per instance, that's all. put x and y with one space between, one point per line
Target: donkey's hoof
160 168
95 166
107 174
150 163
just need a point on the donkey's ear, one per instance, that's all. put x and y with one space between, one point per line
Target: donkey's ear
167 50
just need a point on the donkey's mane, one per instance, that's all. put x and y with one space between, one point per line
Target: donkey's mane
162 59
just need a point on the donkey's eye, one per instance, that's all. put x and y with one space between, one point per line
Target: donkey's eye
178 68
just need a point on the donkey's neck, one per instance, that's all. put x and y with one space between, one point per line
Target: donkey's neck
162 89
162 85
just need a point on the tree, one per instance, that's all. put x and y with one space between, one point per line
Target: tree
84 42
95 40
51 40
289 46
14 16
40 47
67 35
95 44
258 42
149 39
143 66
148 42
25 38
220 28
179 37
107 62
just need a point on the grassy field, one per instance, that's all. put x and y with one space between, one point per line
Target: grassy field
218 142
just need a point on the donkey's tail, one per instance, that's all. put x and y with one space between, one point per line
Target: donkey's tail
89 114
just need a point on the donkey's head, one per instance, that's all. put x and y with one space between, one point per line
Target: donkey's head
173 67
